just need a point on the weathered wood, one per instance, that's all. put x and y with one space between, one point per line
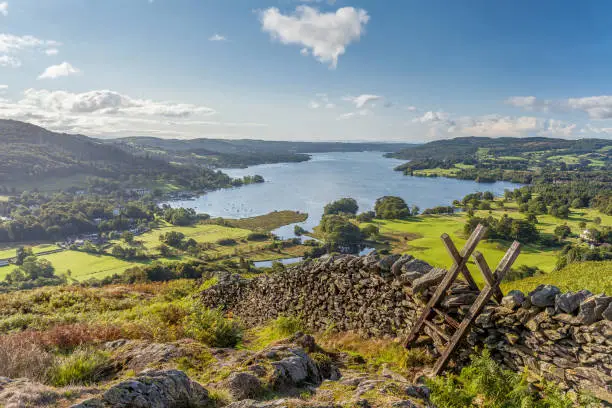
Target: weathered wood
435 328
451 275
486 272
447 318
478 305
454 254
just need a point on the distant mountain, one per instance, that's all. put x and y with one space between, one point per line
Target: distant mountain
462 148
240 153
28 151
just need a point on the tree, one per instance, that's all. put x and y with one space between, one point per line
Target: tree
415 210
34 268
562 232
390 207
127 237
597 220
172 238
340 233
342 206
367 216
487 195
370 231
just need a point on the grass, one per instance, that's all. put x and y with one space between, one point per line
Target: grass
275 330
592 275
269 222
82 265
83 367
420 236
11 252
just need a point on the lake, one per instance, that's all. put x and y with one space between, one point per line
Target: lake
309 186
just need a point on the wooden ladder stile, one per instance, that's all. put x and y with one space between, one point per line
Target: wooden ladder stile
490 290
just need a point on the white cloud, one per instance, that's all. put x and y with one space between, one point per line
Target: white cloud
217 37
362 100
8 61
321 101
62 70
12 43
442 124
434 117
349 115
108 103
3 88
105 112
411 108
325 35
52 51
4 8
596 107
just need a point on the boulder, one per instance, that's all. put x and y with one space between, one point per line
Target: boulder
428 280
154 389
296 370
544 295
570 301
243 385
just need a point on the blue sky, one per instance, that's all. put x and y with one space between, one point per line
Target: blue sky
388 70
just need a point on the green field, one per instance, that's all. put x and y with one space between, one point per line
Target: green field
82 265
11 252
593 276
420 236
423 241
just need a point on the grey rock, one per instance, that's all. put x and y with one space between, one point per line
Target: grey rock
249 403
428 280
396 269
592 309
416 391
459 300
243 385
544 295
386 263
296 370
607 314
570 301
416 265
513 299
154 389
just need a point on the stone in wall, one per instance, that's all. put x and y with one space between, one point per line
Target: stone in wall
567 337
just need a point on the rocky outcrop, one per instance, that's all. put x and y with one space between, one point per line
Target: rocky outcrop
565 337
154 389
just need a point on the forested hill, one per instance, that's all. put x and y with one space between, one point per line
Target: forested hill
29 151
240 153
468 147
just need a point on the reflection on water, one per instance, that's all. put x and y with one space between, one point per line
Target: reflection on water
309 186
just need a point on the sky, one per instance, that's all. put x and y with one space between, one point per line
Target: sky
338 70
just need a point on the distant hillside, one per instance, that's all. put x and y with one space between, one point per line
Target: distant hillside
29 151
467 147
240 153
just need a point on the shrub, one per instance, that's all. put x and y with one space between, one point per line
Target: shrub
257 236
212 328
484 383
83 367
21 358
227 242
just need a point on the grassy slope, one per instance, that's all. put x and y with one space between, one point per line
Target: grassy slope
269 222
420 236
11 252
594 276
86 266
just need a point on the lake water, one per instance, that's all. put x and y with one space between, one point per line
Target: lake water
309 186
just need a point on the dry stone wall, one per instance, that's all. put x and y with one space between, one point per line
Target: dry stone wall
567 337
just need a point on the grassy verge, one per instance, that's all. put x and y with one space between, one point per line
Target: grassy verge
269 222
